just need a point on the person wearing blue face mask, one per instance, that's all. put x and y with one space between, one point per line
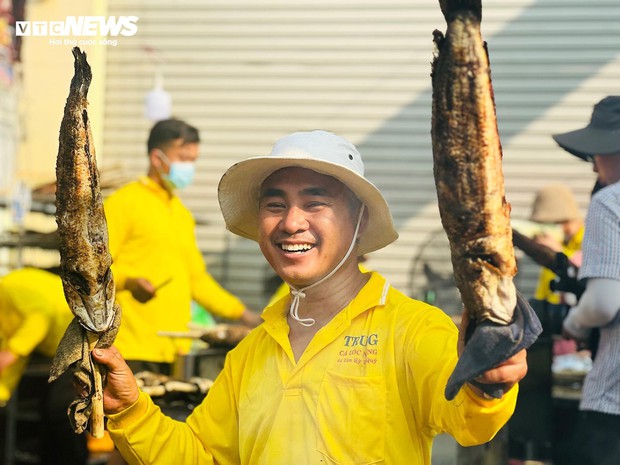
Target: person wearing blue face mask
158 268
180 173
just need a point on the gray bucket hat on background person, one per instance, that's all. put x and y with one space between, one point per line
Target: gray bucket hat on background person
321 151
600 137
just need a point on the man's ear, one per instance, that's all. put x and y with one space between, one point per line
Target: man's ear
155 159
363 225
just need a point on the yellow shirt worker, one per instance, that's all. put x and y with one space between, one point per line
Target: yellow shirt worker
369 389
33 318
158 268
151 234
345 369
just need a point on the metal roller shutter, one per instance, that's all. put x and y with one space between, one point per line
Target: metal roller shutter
247 72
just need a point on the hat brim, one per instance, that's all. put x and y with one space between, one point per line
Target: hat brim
239 189
589 141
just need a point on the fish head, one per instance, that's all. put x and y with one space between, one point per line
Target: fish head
93 306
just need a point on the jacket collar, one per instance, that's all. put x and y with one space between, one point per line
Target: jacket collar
373 294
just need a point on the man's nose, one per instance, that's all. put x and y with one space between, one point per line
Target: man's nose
294 220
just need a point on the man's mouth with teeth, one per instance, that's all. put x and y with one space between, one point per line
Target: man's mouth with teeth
299 248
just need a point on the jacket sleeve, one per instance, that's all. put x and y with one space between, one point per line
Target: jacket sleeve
144 435
208 292
598 306
600 302
33 330
431 354
37 318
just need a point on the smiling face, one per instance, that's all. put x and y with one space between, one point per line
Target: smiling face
306 224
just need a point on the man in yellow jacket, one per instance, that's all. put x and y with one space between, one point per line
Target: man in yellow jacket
344 370
33 318
158 268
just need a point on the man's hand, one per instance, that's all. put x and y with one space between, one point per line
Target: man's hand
121 390
141 289
549 241
7 358
508 373
250 318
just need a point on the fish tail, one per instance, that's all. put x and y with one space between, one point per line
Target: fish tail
451 8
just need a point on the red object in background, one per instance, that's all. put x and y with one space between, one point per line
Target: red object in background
564 346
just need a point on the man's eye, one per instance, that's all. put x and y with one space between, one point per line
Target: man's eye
274 205
315 204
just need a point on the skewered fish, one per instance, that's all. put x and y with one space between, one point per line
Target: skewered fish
467 158
84 256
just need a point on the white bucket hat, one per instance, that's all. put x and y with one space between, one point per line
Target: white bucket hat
320 151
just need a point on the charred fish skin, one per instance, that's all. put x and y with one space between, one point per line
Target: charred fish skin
467 164
85 259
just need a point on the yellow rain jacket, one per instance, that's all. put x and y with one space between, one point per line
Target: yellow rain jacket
33 317
151 235
369 389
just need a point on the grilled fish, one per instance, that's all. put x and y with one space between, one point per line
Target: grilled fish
84 256
467 164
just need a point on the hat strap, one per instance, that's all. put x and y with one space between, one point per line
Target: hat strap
299 293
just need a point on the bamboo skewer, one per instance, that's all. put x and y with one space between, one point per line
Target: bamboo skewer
96 414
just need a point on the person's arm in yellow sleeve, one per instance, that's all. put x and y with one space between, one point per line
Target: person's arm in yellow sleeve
30 334
470 417
212 296
36 321
496 412
140 431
